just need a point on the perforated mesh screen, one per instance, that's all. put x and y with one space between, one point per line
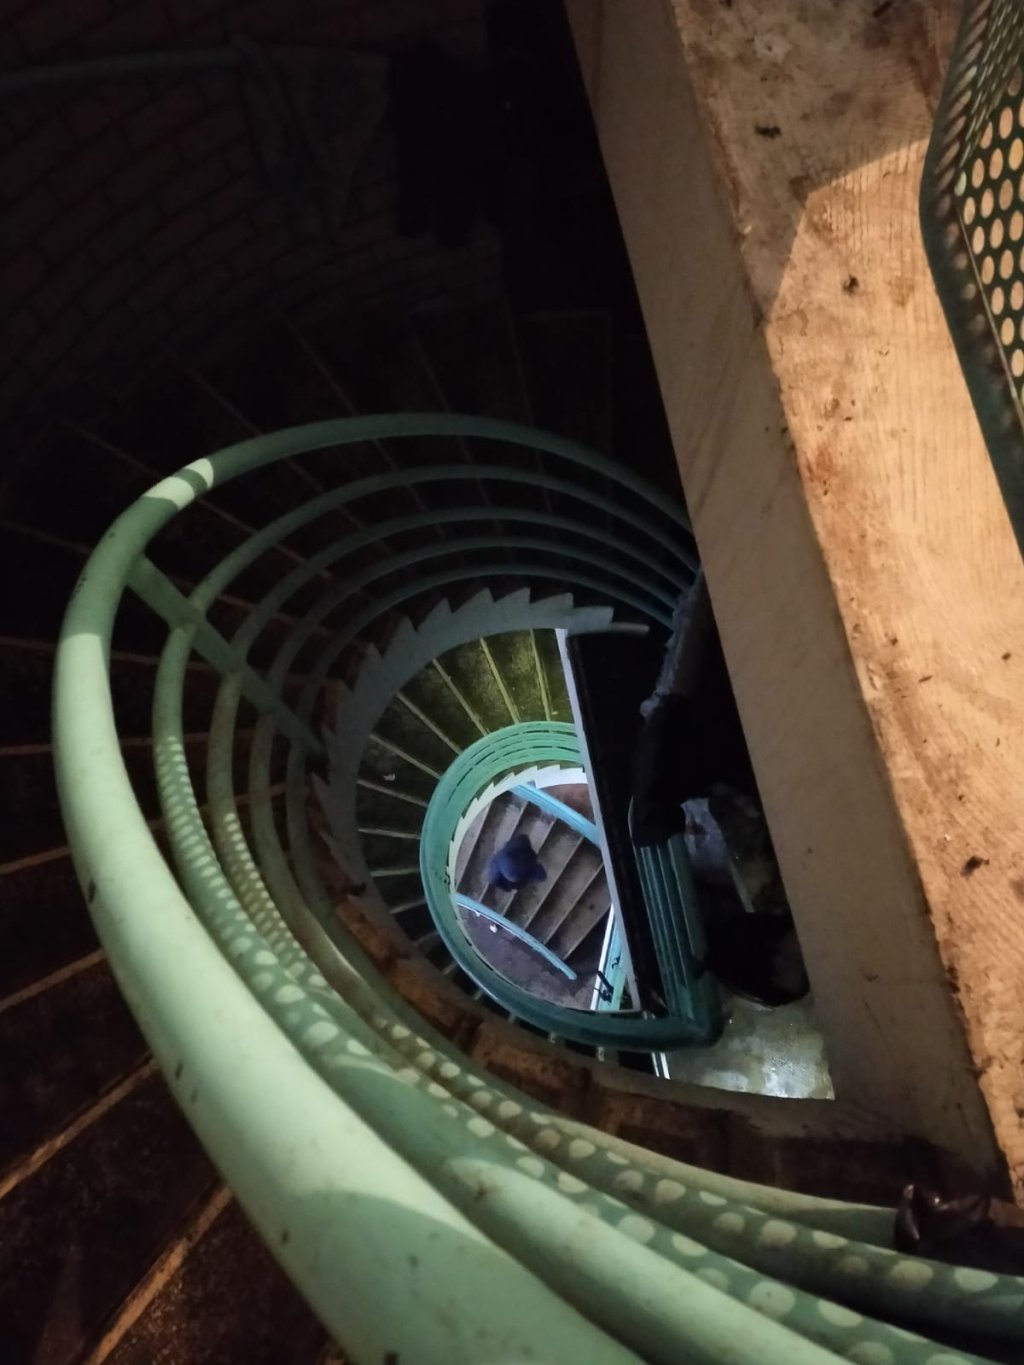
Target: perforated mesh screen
972 205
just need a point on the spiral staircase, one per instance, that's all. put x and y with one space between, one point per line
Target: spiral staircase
304 685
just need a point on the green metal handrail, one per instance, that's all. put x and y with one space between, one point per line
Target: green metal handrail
578 823
380 1165
517 931
497 754
677 931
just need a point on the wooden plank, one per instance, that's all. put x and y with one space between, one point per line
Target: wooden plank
766 161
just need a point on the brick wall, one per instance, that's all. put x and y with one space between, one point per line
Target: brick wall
136 215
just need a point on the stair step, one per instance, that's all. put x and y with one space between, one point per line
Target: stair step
585 956
377 354
574 882
382 808
551 663
567 359
556 851
277 382
385 767
44 920
62 1048
517 665
469 843
49 567
523 965
44 923
74 1234
504 817
228 1302
409 735
30 819
170 419
94 488
97 482
402 888
45 573
471 672
582 916
473 355
414 918
382 845
26 688
26 683
536 825
431 694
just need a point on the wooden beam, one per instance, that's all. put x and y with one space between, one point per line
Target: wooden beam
765 161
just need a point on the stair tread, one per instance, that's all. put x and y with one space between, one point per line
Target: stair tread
472 353
551 663
97 483
229 1302
30 818
47 573
379 764
376 352
432 695
500 822
521 964
536 825
514 658
559 846
375 809
399 726
170 419
468 668
61 1049
567 358
74 1234
588 910
44 922
284 378
565 890
26 684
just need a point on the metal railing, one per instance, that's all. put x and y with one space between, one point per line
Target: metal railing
426 1210
493 757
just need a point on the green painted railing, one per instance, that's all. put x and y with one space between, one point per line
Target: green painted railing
494 756
545 801
427 1211
517 931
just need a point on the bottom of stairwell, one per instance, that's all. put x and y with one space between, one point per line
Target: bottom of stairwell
565 914
525 967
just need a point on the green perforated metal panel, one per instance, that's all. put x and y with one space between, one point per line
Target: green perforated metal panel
972 217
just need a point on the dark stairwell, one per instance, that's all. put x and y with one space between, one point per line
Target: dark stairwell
279 234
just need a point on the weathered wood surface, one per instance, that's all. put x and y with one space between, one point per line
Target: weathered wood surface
766 159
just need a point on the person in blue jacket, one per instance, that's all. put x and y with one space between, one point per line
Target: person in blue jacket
515 865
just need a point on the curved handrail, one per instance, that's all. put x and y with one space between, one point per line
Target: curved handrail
585 828
498 753
673 913
517 931
982 87
378 1162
